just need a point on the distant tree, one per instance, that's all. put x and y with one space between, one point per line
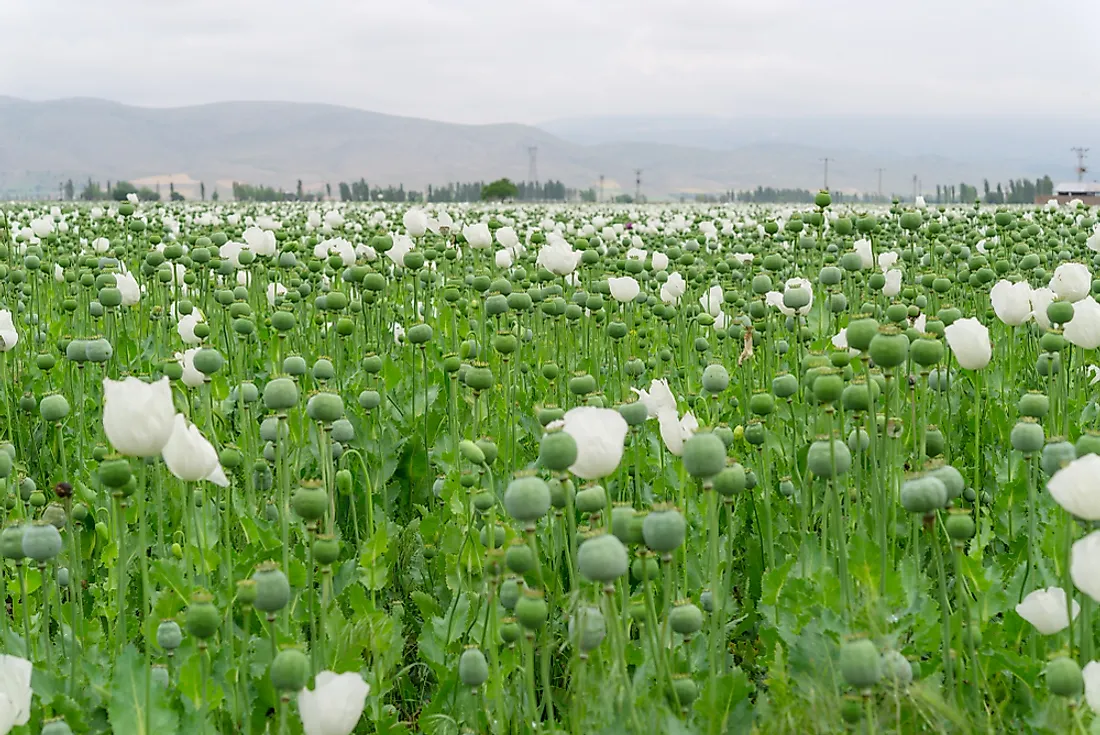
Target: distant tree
146 194
623 199
328 191
499 190
298 190
70 191
214 196
122 189
588 195
202 191
174 195
345 191
91 192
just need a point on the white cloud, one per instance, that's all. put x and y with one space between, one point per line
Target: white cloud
500 60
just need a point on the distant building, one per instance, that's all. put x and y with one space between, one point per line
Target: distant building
1087 191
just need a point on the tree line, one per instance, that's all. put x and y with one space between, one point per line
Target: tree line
1017 191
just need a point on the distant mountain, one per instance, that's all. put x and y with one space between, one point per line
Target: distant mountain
278 143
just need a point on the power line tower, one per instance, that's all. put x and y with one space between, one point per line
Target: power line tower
880 170
601 188
532 169
1081 168
826 162
915 187
637 185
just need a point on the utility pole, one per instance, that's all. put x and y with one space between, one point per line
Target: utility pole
880 170
914 187
826 162
637 185
533 169
601 188
1081 168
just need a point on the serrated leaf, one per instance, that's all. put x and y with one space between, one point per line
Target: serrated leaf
130 710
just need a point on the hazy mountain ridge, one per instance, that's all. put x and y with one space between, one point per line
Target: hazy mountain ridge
277 143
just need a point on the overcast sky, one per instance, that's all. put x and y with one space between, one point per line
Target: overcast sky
528 61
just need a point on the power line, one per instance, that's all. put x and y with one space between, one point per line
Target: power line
532 169
1081 168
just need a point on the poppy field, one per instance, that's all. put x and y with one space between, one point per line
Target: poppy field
350 468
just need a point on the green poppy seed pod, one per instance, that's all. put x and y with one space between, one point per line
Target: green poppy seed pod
419 334
762 404
98 350
1035 405
730 481
591 499
1052 342
310 502
562 492
951 478
473 670
960 525
369 400
1060 312
230 458
784 385
889 348
531 610
54 407
634 413
897 669
280 394
6 465
55 515
923 494
77 351
1056 455
858 394
283 321
1088 443
510 631
510 592
704 455
323 369
169 635
685 619
934 442
527 499
519 558
860 663
295 365
851 708
246 592
587 628
829 458
828 387
664 529
56 727
326 550
496 539
1027 436
202 620
41 542
272 588
582 385
861 332
558 450
11 542
684 690
290 670
603 559
927 352
645 567
325 407
822 199
342 431
715 378
208 361
621 516
1064 677
343 481
484 499
479 378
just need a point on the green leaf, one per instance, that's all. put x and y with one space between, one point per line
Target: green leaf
129 709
